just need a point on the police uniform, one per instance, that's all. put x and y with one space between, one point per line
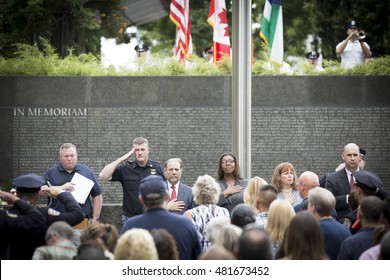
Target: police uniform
370 182
24 223
313 55
353 53
22 246
130 175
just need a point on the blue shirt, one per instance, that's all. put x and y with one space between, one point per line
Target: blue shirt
58 176
334 234
181 228
355 245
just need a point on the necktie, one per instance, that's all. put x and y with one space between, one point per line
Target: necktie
173 193
352 182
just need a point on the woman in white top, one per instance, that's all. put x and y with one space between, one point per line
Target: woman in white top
206 193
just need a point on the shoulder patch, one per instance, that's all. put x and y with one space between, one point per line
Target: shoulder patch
53 212
12 215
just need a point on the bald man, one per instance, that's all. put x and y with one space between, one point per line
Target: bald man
306 181
340 183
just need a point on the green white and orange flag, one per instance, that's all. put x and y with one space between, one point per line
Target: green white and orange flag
217 18
271 31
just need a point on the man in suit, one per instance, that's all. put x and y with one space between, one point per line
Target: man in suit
362 164
341 183
154 197
180 195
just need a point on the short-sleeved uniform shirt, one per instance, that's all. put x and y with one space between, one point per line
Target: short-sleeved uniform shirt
353 54
58 176
130 175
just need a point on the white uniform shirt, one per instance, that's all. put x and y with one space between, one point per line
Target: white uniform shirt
353 54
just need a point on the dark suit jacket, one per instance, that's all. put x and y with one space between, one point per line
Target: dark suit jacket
185 194
338 184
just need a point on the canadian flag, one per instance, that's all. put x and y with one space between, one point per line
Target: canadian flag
218 20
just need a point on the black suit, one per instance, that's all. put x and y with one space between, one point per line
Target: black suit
185 194
338 184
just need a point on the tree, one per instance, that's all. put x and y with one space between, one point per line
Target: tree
68 23
81 23
329 17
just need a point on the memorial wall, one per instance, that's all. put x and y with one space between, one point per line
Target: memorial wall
303 120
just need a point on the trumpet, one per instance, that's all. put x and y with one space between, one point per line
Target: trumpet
360 35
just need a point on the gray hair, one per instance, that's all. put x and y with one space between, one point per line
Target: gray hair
67 146
206 190
174 159
323 200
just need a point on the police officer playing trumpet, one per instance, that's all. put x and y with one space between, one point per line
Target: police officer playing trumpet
353 49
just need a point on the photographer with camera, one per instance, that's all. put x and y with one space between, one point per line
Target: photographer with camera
353 49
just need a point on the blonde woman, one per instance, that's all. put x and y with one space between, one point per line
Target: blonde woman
285 180
206 193
280 214
136 244
228 237
251 193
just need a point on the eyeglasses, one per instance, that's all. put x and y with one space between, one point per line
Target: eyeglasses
231 161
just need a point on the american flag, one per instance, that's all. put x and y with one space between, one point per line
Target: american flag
180 16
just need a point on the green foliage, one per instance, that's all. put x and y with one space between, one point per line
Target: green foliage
42 60
329 17
30 60
76 23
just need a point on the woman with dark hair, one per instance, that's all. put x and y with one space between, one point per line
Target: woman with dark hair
165 244
104 234
303 239
230 180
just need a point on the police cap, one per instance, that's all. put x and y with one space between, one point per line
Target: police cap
28 183
368 180
209 50
312 55
352 24
141 47
153 184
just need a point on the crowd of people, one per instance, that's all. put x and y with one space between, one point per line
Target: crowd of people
221 217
